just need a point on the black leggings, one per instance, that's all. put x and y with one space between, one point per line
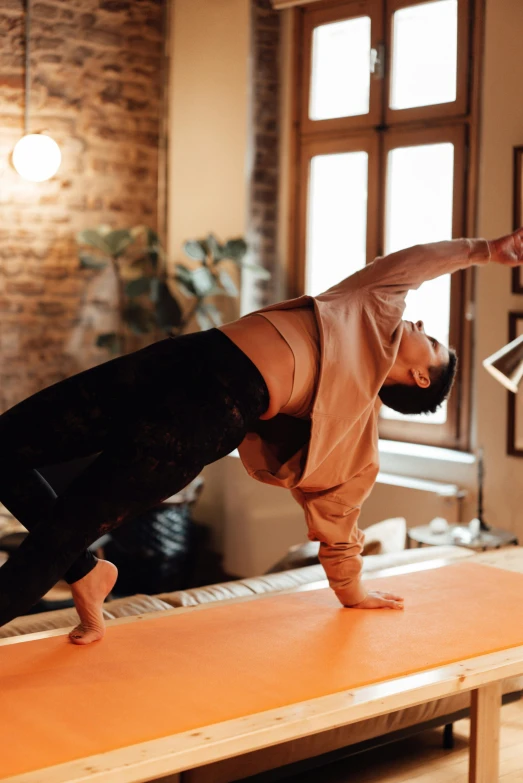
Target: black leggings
154 418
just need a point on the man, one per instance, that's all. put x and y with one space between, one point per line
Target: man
297 387
367 356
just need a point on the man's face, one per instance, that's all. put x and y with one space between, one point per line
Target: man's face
418 349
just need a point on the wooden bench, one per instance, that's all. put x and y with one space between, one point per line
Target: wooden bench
312 649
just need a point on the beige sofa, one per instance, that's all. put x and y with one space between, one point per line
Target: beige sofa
320 747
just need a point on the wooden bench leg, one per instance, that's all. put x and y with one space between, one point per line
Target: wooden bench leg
485 714
448 736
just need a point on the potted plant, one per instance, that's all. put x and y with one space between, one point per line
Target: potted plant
150 296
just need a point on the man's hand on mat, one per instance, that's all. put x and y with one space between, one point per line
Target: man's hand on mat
376 599
507 250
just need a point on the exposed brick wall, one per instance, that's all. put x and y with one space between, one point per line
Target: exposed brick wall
265 132
96 88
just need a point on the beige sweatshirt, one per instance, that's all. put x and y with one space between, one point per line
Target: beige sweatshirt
330 463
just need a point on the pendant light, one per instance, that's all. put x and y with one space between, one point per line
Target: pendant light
36 156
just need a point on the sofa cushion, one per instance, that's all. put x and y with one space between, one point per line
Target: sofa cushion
242 588
383 537
374 563
309 575
390 533
68 618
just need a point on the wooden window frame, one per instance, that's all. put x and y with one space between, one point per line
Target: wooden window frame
456 108
314 18
458 120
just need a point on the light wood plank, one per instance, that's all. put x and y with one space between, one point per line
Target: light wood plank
422 759
149 760
485 710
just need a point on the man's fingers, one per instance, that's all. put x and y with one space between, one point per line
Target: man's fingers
392 604
392 596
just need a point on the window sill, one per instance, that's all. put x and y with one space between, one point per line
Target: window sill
398 448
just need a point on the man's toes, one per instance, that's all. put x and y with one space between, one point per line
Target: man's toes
82 635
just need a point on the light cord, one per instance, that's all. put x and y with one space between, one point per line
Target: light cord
27 64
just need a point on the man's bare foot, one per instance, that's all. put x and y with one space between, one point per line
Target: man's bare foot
88 595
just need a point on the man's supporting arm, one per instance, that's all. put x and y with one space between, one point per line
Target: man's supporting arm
334 524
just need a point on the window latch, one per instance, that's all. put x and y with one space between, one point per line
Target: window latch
377 61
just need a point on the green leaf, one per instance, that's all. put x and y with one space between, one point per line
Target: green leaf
109 340
139 320
260 270
235 249
204 322
228 283
142 285
152 238
154 293
91 237
183 279
183 273
118 241
202 280
188 290
213 313
196 249
168 311
214 247
91 262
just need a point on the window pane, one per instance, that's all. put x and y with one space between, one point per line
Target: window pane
424 56
337 219
340 70
419 210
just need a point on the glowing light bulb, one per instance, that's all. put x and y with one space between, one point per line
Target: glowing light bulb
36 157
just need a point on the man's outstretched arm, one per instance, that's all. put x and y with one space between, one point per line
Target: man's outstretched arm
407 269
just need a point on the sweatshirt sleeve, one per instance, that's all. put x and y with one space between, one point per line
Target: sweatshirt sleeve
334 524
407 269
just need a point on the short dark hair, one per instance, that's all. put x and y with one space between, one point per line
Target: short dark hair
414 399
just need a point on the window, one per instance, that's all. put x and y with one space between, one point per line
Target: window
385 140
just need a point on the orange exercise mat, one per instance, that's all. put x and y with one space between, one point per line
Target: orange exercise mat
151 678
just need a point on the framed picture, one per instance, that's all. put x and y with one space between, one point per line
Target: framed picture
515 401
517 222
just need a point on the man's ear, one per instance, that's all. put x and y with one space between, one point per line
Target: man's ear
421 377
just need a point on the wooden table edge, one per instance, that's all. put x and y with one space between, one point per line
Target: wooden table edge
187 750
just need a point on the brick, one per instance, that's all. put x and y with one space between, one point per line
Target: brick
14 81
51 308
27 287
87 20
112 92
105 37
13 5
79 54
9 305
114 5
46 42
50 58
47 11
